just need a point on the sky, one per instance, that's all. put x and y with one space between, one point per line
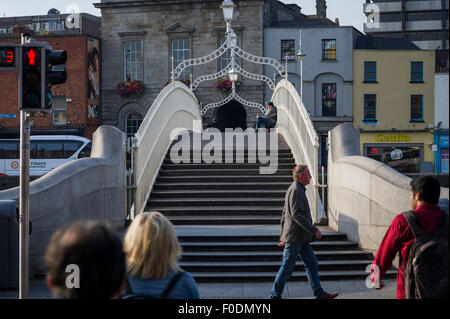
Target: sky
349 12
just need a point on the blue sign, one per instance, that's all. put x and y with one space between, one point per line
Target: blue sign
443 140
13 116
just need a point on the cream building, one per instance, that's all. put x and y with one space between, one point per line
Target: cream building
393 102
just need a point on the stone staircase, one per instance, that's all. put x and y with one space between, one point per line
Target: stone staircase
227 218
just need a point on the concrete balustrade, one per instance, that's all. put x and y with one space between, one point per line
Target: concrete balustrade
364 195
174 109
89 188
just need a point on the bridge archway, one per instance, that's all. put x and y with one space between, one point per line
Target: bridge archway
231 115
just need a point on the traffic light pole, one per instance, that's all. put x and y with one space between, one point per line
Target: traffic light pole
24 201
24 218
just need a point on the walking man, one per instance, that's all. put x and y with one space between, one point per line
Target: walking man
297 231
425 220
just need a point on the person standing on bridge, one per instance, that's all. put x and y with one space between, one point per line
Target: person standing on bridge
297 231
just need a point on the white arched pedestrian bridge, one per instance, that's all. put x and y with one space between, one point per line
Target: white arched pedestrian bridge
363 195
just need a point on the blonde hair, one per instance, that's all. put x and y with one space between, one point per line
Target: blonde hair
151 246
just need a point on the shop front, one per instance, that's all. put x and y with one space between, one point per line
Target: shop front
441 153
405 152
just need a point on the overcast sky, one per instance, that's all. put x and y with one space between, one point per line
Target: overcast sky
349 12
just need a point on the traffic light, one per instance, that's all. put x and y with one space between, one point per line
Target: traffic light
8 56
54 58
32 78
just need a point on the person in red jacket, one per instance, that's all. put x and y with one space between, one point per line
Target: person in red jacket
424 197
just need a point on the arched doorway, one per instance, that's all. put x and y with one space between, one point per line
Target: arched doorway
231 115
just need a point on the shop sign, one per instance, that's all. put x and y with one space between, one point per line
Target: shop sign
392 138
443 140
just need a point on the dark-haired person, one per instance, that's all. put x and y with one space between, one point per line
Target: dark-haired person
85 260
424 197
270 118
297 231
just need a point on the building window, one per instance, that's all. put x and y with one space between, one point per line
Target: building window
416 71
134 120
403 158
59 110
416 107
132 60
328 99
181 51
370 71
288 50
370 107
329 49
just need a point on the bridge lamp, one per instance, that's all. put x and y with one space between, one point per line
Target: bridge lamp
227 10
233 74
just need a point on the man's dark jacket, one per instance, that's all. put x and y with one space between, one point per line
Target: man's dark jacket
296 222
272 115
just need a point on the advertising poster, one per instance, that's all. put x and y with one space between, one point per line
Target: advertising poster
93 57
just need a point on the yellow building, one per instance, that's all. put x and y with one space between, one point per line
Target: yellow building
393 103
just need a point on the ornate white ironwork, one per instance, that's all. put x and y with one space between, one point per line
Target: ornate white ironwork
202 60
233 96
210 77
232 45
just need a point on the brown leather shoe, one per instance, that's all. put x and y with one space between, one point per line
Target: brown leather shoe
329 296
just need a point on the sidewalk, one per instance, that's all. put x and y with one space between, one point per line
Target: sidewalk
293 290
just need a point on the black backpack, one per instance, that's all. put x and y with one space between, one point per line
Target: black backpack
131 295
426 273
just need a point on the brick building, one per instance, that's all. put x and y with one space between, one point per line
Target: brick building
76 103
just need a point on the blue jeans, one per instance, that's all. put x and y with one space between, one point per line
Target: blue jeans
290 254
263 121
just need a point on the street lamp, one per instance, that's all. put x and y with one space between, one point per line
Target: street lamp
233 74
227 9
301 56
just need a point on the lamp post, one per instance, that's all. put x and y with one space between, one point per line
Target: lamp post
301 56
227 10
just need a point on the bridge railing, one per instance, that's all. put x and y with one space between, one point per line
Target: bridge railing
364 195
295 125
174 109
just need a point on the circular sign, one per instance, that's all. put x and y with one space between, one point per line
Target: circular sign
14 164
396 154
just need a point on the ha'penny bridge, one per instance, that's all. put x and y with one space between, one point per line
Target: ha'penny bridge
225 195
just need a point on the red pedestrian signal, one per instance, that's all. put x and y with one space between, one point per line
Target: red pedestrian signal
32 57
32 79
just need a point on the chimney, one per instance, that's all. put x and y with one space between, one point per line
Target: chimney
321 8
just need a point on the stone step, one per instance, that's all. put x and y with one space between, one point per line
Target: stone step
270 266
221 179
350 254
326 236
282 160
205 212
225 202
221 172
221 277
263 246
220 220
160 185
231 166
217 194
